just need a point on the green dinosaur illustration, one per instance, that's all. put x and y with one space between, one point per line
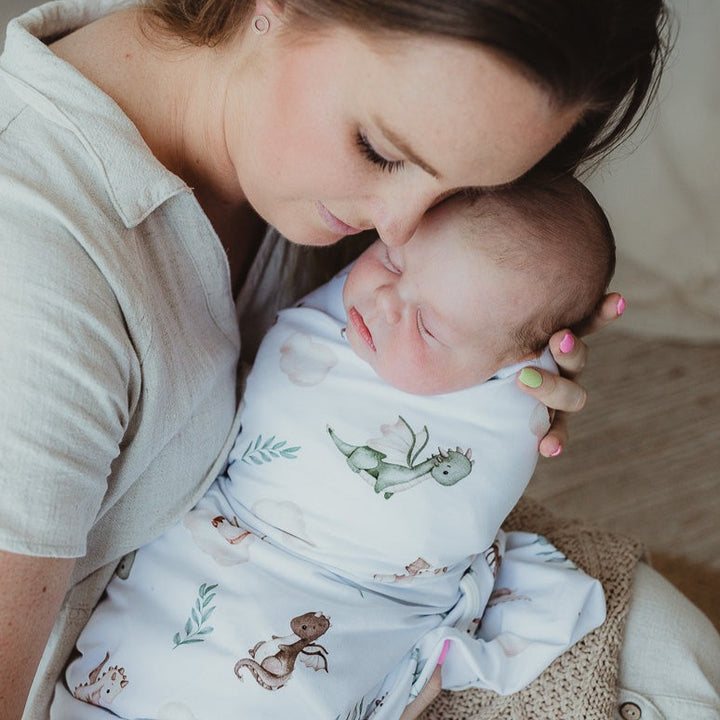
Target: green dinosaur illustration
446 468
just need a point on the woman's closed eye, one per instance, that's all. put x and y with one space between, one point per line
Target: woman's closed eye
371 154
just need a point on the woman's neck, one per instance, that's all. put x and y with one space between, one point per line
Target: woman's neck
241 231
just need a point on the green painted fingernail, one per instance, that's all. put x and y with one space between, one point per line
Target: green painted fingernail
530 377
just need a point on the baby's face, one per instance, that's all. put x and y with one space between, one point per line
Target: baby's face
434 315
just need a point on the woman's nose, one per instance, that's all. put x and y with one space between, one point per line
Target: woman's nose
397 223
389 305
394 234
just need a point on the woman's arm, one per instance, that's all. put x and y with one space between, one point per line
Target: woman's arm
31 593
562 393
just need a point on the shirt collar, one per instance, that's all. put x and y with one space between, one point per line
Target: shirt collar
136 181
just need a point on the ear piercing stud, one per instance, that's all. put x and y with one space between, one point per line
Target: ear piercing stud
260 24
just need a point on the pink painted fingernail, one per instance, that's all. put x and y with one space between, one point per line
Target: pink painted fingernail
621 304
567 343
443 652
556 451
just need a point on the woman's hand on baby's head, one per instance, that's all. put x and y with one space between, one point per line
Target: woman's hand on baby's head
611 308
571 354
561 394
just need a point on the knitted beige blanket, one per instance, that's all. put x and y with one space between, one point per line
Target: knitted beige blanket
580 684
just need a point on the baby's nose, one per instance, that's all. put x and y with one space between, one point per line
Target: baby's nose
390 305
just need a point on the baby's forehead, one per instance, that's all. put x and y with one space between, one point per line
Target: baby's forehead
506 282
497 228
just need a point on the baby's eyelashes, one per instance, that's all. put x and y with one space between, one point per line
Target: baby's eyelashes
427 334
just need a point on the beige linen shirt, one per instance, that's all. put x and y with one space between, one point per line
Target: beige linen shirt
119 337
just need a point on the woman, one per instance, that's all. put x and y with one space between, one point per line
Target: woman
146 150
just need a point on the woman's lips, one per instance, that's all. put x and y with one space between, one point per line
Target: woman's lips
360 327
335 224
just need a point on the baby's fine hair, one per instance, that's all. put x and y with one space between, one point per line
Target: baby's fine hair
553 229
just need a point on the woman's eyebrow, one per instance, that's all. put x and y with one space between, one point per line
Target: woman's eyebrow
406 150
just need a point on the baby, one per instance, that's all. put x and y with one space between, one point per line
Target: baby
356 532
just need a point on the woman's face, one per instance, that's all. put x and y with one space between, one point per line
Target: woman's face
341 134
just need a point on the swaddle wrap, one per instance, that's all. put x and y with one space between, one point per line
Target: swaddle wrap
356 530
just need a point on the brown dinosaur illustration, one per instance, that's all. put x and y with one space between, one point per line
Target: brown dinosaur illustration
102 689
417 568
272 661
230 530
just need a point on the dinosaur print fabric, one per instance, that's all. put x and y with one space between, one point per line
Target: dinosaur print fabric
355 530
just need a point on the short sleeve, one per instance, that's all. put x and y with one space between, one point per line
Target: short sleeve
66 364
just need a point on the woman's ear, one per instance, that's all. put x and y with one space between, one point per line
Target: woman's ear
273 10
266 18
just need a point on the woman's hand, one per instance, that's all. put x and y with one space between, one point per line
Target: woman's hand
427 695
561 393
431 690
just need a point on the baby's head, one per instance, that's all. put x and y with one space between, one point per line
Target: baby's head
555 234
482 284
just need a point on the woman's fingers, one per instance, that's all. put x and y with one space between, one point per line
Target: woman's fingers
556 439
556 393
427 695
430 691
570 353
561 393
553 391
612 307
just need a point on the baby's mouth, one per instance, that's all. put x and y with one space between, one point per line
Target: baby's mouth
360 327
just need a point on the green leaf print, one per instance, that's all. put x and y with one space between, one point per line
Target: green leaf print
196 624
259 452
552 555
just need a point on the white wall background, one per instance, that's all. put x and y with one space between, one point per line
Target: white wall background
663 199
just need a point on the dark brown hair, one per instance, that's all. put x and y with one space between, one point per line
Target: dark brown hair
603 54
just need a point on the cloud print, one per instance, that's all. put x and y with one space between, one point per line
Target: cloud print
288 517
305 361
218 536
512 644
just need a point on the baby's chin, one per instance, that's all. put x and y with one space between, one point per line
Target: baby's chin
427 384
423 385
